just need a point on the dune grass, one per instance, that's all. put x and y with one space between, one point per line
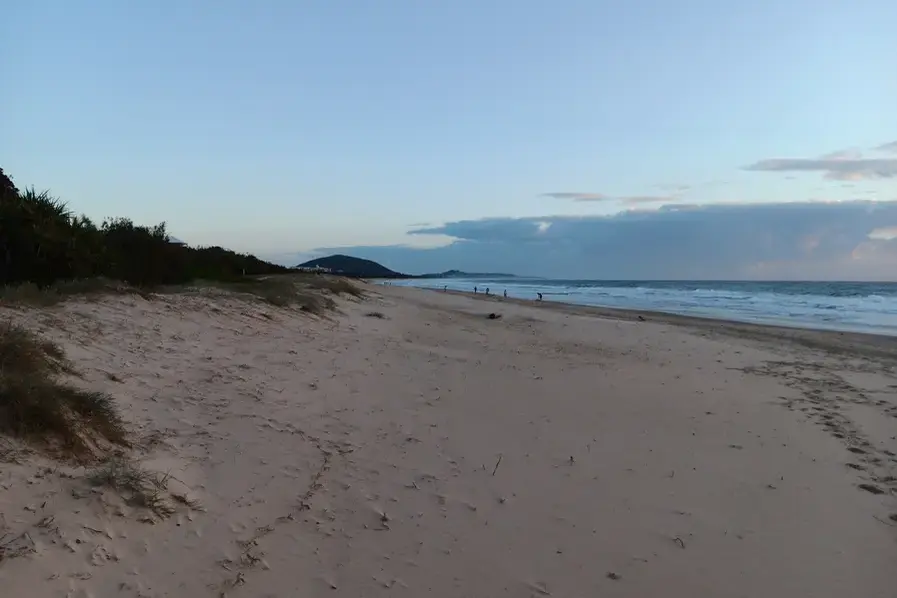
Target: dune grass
333 284
32 295
139 488
39 407
35 405
312 293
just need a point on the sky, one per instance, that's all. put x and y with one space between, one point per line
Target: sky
584 138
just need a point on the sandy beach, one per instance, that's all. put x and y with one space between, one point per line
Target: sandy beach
408 445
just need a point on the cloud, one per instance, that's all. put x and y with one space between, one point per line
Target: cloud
843 165
885 233
797 240
600 197
674 189
849 154
635 200
835 168
576 196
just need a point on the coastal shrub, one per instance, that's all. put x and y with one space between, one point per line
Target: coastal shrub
36 405
44 243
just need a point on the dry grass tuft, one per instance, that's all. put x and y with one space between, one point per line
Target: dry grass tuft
12 452
139 488
376 314
310 293
36 406
24 353
31 295
190 503
332 284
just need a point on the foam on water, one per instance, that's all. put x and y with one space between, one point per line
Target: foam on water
846 306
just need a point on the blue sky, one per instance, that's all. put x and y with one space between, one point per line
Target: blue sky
285 128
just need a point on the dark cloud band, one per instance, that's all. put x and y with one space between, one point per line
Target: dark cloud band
801 240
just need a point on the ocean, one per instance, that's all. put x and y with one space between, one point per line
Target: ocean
844 306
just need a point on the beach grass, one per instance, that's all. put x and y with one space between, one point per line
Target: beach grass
35 405
312 293
32 295
138 487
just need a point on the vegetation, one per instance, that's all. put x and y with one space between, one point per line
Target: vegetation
139 488
301 291
36 405
43 243
47 253
353 267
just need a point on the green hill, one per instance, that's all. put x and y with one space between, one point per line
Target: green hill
346 265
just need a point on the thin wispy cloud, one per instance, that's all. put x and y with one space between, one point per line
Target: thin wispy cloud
600 197
673 189
834 168
885 233
848 154
635 200
577 196
888 147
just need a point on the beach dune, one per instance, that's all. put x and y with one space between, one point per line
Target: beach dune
411 446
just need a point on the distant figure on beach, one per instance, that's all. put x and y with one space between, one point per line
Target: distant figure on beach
487 290
445 288
506 293
540 296
474 290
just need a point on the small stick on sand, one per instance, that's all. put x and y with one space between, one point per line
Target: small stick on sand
679 541
497 463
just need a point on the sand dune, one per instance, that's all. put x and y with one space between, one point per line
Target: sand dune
409 446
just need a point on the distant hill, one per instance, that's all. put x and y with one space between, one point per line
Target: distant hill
460 274
355 267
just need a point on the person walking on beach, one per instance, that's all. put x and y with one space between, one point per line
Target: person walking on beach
487 290
506 293
445 288
474 290
540 296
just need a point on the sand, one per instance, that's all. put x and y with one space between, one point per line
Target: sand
555 451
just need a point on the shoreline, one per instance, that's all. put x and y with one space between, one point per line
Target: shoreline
880 346
809 323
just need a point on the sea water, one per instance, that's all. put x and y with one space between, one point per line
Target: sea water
846 306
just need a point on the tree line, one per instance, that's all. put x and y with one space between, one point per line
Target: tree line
43 242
